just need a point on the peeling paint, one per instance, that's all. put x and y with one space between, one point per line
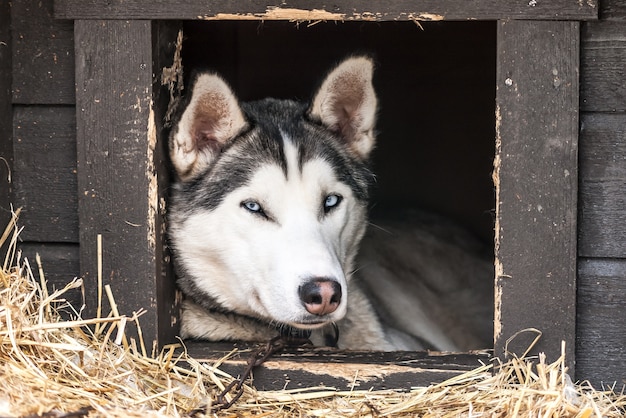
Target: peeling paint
314 15
279 13
499 270
151 175
426 16
172 77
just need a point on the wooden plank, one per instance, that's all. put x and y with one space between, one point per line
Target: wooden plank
603 186
601 328
6 117
603 67
60 265
316 10
305 367
166 37
45 172
613 10
117 179
43 55
536 185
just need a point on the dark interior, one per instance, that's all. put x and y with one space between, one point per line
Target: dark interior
436 87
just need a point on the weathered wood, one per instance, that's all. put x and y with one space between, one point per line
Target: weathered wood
613 10
603 186
165 38
44 175
603 67
307 10
60 265
600 356
6 117
43 55
301 367
117 179
536 185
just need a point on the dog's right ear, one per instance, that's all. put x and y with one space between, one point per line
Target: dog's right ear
212 118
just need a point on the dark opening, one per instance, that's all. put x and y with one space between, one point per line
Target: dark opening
436 89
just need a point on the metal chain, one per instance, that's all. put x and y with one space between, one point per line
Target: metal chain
257 358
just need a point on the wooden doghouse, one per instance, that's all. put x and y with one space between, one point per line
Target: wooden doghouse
85 91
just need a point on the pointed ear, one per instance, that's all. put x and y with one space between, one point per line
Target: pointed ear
212 118
346 104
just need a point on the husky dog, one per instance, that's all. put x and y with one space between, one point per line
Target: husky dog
267 215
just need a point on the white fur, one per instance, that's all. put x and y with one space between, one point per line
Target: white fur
212 96
416 287
347 99
270 260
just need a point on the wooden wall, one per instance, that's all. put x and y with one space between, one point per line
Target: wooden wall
37 99
44 137
601 342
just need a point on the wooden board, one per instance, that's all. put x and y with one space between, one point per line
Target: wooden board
308 10
44 176
6 109
600 355
301 367
60 265
536 185
603 186
118 170
603 67
43 55
613 10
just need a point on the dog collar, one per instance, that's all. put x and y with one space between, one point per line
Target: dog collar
292 333
299 336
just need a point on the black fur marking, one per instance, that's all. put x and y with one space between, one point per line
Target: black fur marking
263 144
269 121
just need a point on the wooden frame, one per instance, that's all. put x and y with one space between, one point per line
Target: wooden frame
6 114
536 180
318 10
535 168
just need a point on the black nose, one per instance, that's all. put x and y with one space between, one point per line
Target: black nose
320 296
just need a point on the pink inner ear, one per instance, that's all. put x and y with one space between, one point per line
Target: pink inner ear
204 135
346 113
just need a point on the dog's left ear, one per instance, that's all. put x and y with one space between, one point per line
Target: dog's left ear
346 104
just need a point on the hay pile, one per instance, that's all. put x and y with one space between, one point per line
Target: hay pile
85 367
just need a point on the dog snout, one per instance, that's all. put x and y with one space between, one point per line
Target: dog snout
320 296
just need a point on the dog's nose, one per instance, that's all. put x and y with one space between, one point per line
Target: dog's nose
320 296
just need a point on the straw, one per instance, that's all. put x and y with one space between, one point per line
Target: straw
62 368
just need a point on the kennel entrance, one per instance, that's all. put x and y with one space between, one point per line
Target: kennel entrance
122 53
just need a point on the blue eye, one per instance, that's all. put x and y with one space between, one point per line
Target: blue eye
252 206
331 202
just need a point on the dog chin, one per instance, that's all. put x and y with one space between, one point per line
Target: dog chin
310 324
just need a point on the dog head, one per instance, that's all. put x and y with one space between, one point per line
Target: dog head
270 202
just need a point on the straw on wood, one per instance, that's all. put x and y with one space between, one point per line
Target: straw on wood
61 368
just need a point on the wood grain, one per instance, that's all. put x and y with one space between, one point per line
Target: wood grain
603 67
43 55
536 185
44 142
601 344
307 367
113 112
613 10
603 186
122 179
307 10
60 265
6 109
